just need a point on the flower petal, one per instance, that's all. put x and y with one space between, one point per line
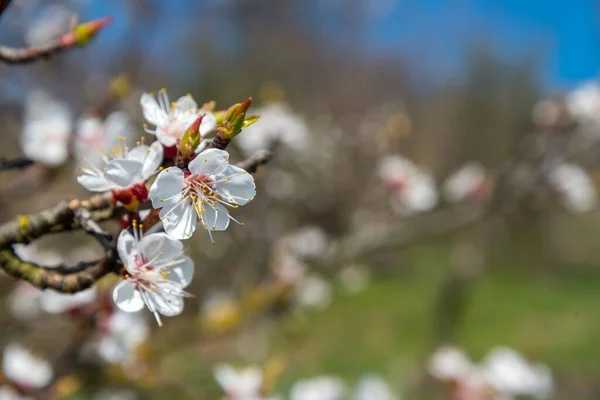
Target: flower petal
183 272
208 124
215 217
127 298
166 188
237 187
152 111
210 162
150 156
123 172
125 245
165 303
184 106
93 182
161 247
179 220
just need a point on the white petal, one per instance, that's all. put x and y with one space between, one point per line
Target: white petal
94 183
168 184
152 112
123 172
238 187
126 297
125 245
163 135
179 220
165 303
210 162
208 124
183 272
161 247
184 106
150 156
117 124
215 217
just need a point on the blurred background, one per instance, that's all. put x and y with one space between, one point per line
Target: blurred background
426 229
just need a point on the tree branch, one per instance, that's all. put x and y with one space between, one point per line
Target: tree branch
15 163
78 37
44 278
259 158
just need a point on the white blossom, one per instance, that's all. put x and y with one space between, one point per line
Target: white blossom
277 124
24 301
322 388
123 333
54 302
309 242
95 137
202 194
413 189
53 22
575 187
450 363
584 103
46 129
313 291
126 169
172 120
239 384
509 373
24 369
465 183
373 387
156 273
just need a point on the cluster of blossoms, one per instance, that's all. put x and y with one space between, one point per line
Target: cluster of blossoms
414 190
249 384
193 183
503 374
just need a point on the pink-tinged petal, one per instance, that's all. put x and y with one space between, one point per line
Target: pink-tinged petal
166 189
127 298
94 183
165 137
236 186
125 245
179 221
152 111
209 162
160 247
182 271
123 172
215 217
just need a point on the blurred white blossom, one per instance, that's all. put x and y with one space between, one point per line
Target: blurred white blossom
239 384
584 102
24 369
24 301
314 292
449 363
511 374
576 189
412 189
373 387
46 129
469 182
54 302
309 242
321 388
95 138
54 21
277 123
122 333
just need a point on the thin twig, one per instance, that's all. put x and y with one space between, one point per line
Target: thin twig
259 158
78 37
15 163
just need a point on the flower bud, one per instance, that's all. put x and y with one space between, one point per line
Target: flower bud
84 32
235 119
191 138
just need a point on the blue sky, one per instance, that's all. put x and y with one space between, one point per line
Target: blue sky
437 33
